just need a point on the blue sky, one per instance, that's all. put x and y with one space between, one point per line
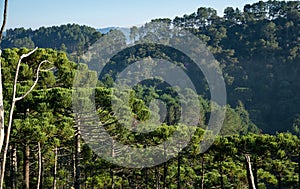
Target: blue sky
100 13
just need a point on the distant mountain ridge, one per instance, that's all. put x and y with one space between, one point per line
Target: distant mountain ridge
106 30
126 31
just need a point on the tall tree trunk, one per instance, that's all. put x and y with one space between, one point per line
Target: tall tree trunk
39 165
157 178
55 169
146 178
26 170
74 167
12 107
165 168
221 170
3 163
42 173
178 170
14 166
299 171
2 133
112 174
255 172
249 172
77 155
165 175
202 171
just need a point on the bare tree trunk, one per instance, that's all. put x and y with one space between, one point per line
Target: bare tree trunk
74 167
77 155
14 166
2 133
40 166
202 171
249 172
298 170
13 103
157 178
26 166
55 169
112 174
165 168
255 172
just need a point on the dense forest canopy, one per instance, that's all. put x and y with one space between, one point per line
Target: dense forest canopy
69 38
258 50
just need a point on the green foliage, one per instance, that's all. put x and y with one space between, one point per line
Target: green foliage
257 49
70 38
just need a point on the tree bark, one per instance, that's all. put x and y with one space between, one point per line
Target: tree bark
2 132
251 181
77 154
13 103
255 173
299 171
39 165
26 166
14 166
165 168
157 178
202 171
55 169
112 174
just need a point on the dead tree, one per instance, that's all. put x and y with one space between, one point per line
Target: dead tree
2 133
249 172
15 99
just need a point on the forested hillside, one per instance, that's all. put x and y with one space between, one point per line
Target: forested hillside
258 51
44 137
71 38
258 48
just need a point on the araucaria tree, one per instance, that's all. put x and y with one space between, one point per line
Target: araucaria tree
4 137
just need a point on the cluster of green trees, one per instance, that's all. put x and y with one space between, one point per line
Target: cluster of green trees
71 38
258 48
258 51
46 148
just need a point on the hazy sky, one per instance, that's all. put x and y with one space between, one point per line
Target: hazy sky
100 13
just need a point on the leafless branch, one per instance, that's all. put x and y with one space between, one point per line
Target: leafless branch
4 19
13 103
17 72
35 82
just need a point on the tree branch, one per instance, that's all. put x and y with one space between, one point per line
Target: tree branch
35 82
4 19
17 72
